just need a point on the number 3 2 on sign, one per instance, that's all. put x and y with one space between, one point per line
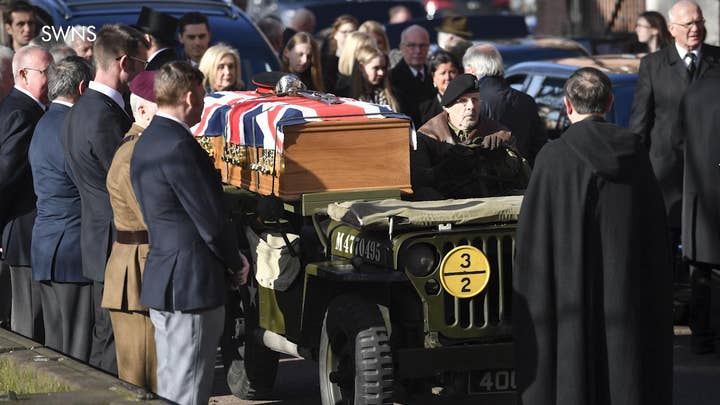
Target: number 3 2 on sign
464 271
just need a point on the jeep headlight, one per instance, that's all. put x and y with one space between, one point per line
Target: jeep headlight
419 259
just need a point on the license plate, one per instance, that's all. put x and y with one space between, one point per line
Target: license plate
485 381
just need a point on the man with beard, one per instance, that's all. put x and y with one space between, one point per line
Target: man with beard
592 303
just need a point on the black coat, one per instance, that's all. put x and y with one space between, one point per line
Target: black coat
410 91
18 116
92 132
517 111
592 304
662 81
192 242
699 130
163 57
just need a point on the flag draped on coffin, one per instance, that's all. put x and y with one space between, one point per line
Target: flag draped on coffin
246 118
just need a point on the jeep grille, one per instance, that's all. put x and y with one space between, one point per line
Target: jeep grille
487 314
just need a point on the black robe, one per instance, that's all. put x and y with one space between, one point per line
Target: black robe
592 308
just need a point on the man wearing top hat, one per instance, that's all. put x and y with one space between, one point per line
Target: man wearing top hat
134 332
449 142
159 29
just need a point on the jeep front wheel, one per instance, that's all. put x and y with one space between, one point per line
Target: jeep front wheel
355 360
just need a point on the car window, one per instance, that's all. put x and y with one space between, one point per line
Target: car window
549 98
620 113
517 82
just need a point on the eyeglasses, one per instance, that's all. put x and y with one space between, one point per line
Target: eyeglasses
418 46
687 25
42 71
143 61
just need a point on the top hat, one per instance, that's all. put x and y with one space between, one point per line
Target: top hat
456 25
465 83
157 24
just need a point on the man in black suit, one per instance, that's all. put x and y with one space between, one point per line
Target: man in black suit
698 132
92 131
56 259
192 243
410 80
19 114
159 29
194 34
662 80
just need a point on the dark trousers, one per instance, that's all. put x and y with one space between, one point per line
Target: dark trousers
68 318
26 312
704 306
5 295
102 354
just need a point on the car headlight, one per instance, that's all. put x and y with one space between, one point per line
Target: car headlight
419 259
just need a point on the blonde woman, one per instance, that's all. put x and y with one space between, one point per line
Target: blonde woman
221 66
377 31
354 41
301 57
370 77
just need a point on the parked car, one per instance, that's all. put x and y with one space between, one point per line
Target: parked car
326 11
227 23
545 82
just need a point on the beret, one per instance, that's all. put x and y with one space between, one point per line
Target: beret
142 85
465 83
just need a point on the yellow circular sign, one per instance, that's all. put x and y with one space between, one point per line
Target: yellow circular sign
464 271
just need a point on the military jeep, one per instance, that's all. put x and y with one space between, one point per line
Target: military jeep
396 301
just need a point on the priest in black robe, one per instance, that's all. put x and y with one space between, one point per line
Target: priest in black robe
592 307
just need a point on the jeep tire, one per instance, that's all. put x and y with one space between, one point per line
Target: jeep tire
355 359
252 376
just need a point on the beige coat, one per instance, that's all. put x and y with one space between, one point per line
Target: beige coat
123 274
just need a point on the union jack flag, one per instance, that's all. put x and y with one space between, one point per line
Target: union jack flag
247 118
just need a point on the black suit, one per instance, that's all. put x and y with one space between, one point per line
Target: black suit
410 91
661 84
92 132
517 111
163 57
19 114
697 134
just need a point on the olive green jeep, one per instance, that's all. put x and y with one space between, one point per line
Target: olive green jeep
396 301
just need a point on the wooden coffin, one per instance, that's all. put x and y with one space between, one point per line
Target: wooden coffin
321 156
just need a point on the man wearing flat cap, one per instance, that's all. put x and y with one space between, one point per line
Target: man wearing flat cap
453 29
159 29
458 150
134 332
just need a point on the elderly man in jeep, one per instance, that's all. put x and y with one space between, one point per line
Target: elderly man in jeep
461 154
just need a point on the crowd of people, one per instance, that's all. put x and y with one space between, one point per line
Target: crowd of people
97 161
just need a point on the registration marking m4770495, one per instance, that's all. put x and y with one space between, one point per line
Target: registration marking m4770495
353 245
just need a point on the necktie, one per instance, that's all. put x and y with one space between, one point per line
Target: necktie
419 75
691 66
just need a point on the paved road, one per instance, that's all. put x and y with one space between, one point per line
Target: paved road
696 380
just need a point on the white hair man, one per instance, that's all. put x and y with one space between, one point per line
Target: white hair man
81 40
410 79
514 109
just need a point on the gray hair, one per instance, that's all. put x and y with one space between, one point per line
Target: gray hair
21 57
60 51
77 32
679 4
64 77
412 28
485 60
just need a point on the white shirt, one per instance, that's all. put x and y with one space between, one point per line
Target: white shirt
65 103
170 117
108 91
155 54
43 106
415 72
683 52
